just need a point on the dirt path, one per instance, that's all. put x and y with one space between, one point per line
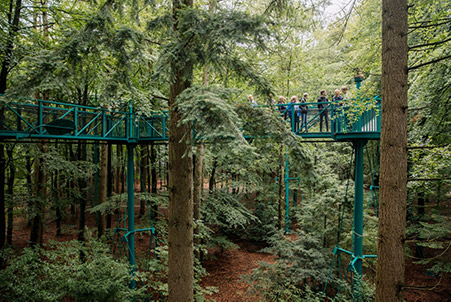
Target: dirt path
226 270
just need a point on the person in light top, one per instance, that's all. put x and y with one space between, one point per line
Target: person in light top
252 101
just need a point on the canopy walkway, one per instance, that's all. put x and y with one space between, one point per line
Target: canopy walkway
39 119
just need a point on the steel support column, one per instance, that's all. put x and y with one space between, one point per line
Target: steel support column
358 214
131 212
287 193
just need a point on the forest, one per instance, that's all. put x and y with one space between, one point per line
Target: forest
267 150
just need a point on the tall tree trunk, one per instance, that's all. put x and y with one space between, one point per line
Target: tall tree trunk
82 185
281 196
102 186
57 202
153 172
28 165
40 182
109 184
118 169
12 173
393 175
198 184
13 21
180 218
143 173
211 183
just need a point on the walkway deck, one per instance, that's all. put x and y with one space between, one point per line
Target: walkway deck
40 119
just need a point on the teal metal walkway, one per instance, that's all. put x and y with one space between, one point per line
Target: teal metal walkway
39 119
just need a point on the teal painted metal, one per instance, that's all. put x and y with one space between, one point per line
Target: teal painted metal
358 213
131 212
100 124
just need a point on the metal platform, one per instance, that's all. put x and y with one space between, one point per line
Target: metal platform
39 119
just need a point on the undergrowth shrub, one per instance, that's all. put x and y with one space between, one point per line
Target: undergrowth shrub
59 273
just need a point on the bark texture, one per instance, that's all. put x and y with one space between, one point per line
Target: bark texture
103 173
180 186
393 174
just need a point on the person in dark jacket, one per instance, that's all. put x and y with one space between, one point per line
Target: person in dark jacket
304 111
323 111
282 109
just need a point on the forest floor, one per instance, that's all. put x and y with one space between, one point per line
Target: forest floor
226 268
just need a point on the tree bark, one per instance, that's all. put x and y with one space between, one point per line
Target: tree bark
211 183
109 185
12 173
13 21
102 186
82 185
198 184
40 182
180 218
393 175
143 171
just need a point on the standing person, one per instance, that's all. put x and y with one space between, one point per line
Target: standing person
252 101
293 113
282 109
338 102
304 111
337 97
323 111
346 95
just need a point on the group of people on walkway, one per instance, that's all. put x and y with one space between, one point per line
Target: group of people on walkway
296 110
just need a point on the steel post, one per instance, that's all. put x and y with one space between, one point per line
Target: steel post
131 212
287 193
358 214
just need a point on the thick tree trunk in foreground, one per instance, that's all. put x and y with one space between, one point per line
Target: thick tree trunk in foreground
180 276
180 218
393 175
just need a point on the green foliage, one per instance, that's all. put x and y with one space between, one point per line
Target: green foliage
58 273
301 263
226 211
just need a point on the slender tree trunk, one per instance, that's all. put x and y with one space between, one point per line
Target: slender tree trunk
12 173
102 186
198 184
57 203
28 165
280 204
109 185
118 169
40 181
143 171
211 183
393 176
82 185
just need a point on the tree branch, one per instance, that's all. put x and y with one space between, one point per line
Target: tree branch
428 179
429 44
427 63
